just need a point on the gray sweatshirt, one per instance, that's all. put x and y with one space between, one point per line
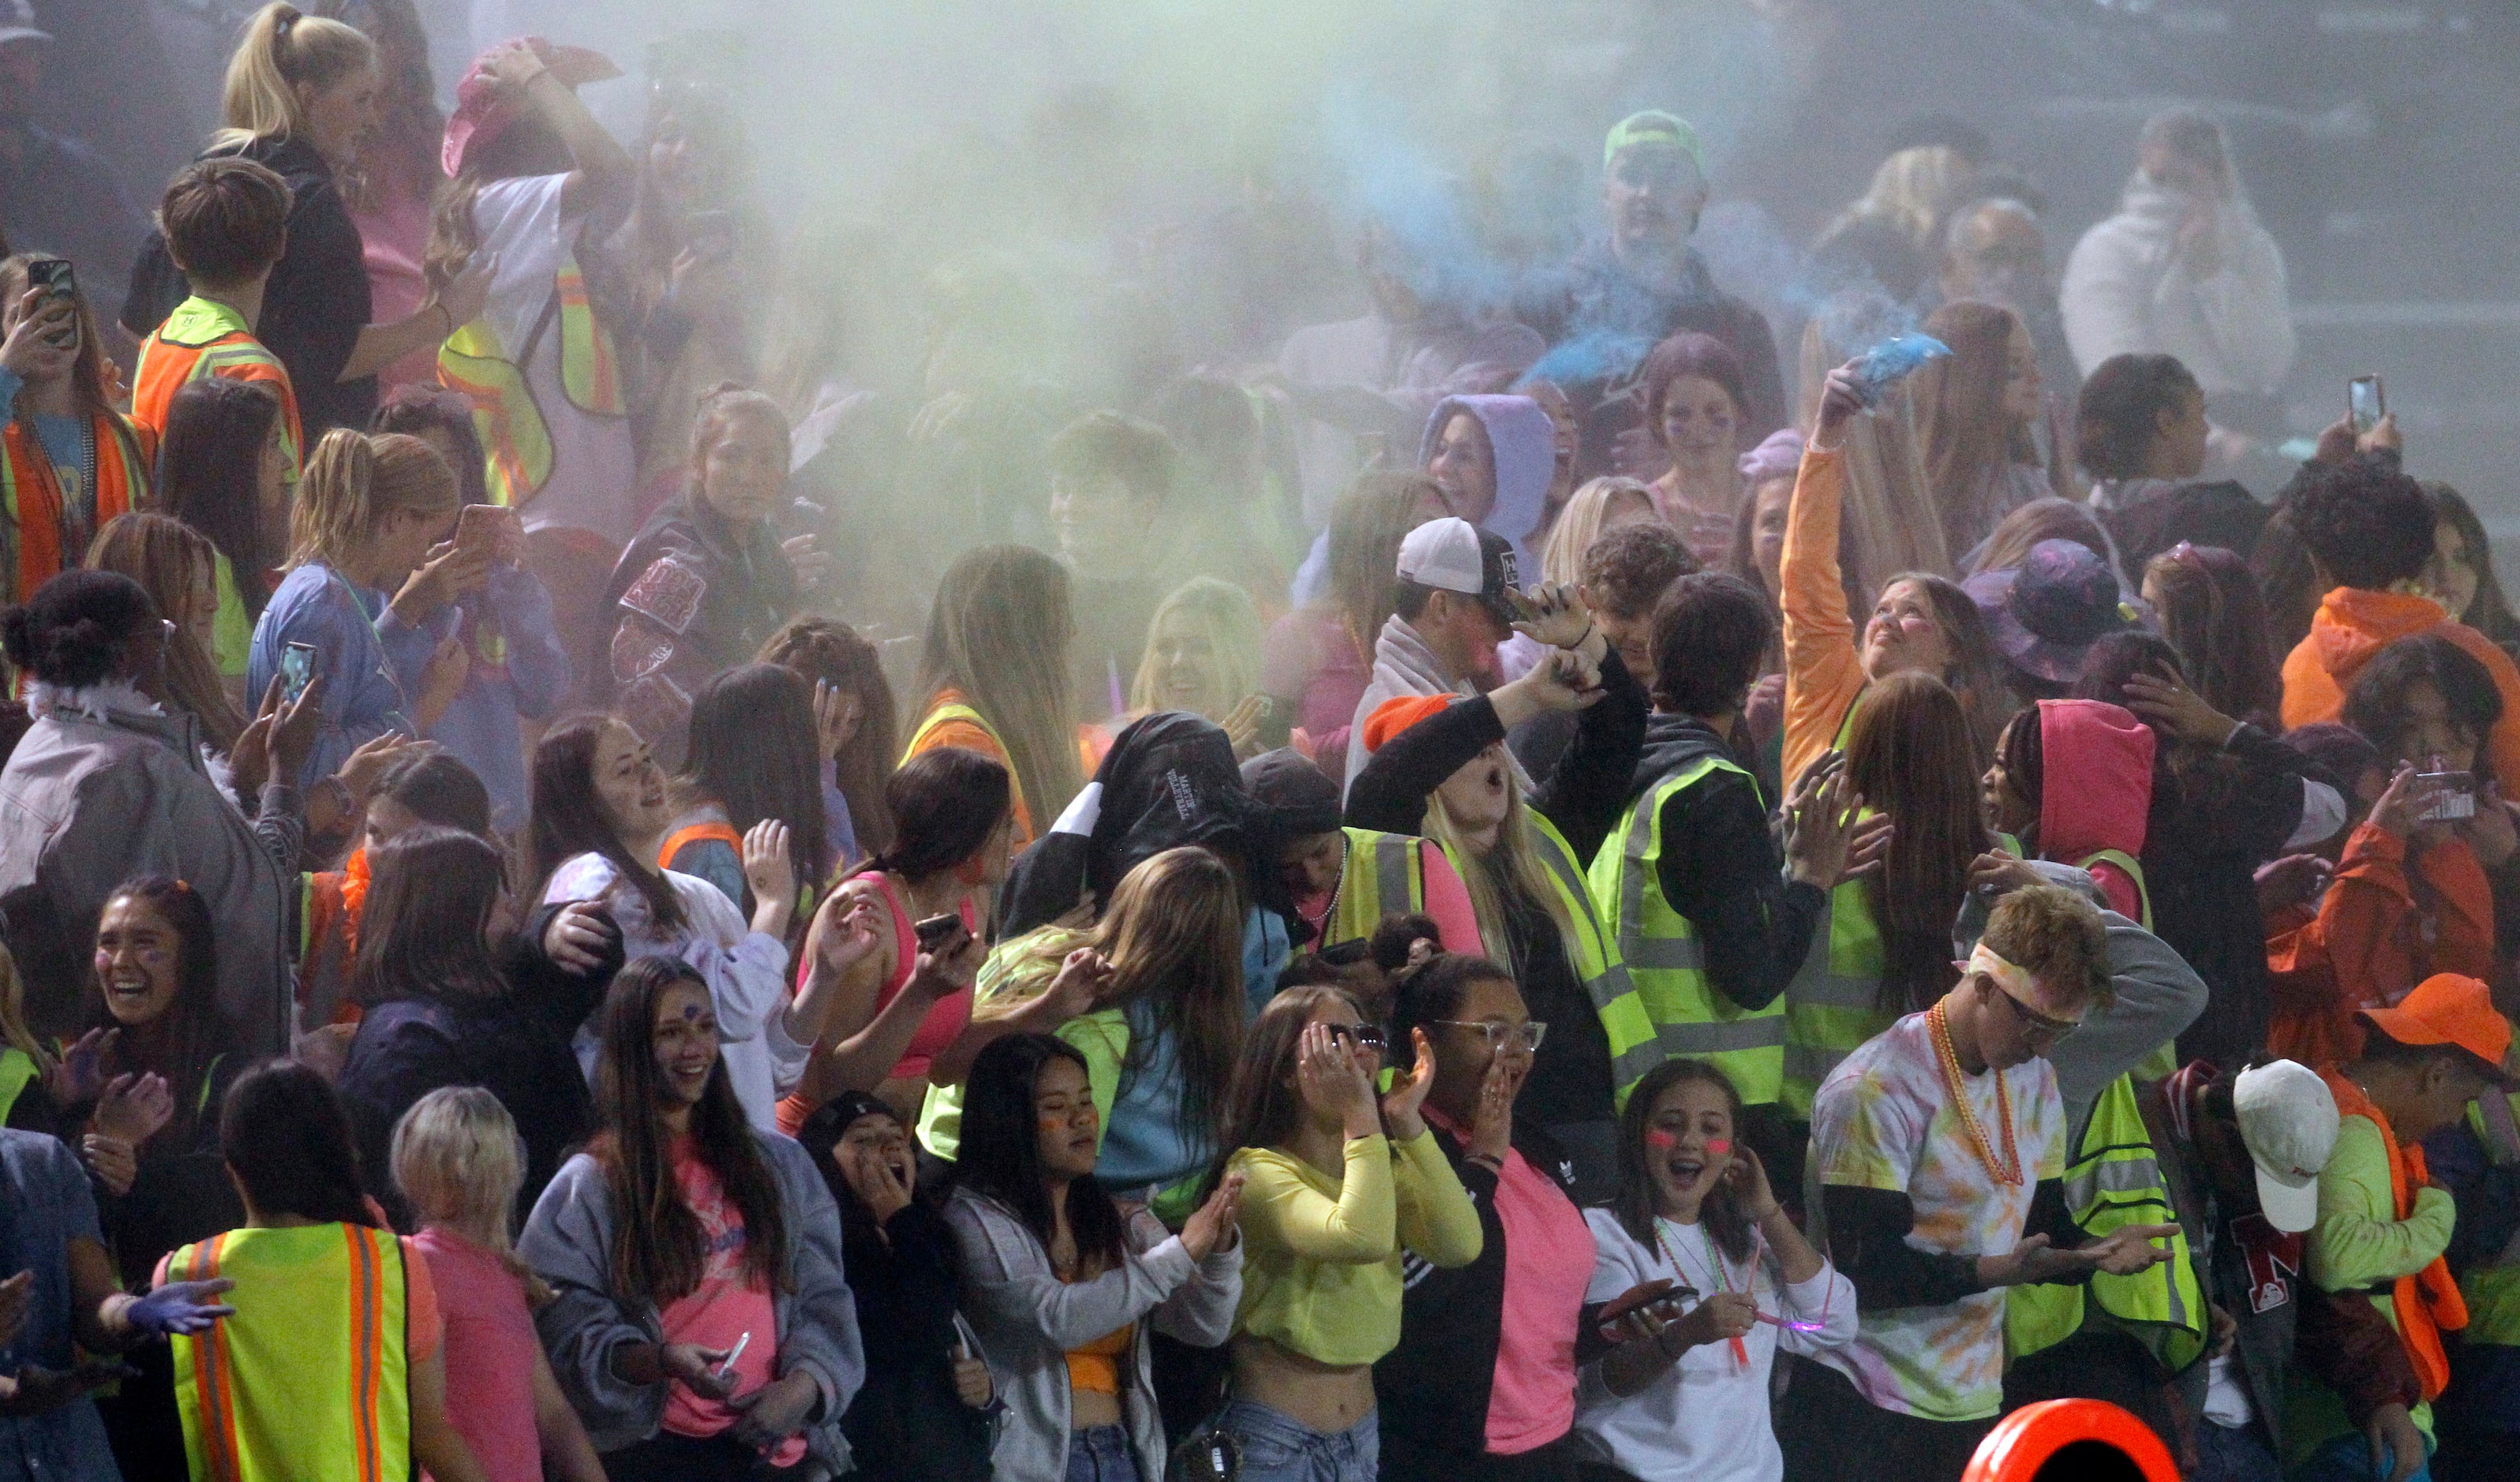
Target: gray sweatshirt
568 1242
1028 1319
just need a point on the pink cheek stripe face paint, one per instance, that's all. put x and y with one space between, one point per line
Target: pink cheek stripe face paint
1717 1147
1660 1139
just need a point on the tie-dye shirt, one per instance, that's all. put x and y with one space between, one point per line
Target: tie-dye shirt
1884 1121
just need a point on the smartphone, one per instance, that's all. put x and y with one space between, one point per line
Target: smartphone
55 276
2367 401
2452 795
1660 1293
478 526
296 669
725 1370
937 930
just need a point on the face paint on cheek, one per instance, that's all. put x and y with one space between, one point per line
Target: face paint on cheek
1718 1147
1657 1137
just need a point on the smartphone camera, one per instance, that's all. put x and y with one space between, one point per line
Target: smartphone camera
2367 401
2451 796
55 276
296 669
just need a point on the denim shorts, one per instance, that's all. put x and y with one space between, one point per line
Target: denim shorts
1101 1455
1276 1448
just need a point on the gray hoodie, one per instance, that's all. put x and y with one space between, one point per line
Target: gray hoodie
568 1242
1028 1319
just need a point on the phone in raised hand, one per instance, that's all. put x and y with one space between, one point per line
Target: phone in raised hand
296 669
2367 401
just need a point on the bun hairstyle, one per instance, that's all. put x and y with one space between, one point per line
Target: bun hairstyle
283 47
71 634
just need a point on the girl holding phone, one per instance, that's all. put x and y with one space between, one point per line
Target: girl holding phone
1683 1390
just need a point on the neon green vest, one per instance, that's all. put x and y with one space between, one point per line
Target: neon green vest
1833 1003
1687 1015
1597 961
1385 875
2115 1181
311 1377
2492 1287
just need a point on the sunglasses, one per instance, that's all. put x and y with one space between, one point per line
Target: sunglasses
1528 1034
1364 1036
2037 1025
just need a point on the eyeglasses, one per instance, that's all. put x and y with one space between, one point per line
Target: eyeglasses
2037 1025
1528 1033
1366 1036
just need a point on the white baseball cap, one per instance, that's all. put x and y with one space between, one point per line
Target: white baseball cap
18 22
2288 1119
1452 555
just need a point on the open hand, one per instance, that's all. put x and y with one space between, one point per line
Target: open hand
1402 1103
133 1107
767 868
1492 1125
1213 1226
180 1307
2162 699
837 714
79 1077
1330 1080
1549 614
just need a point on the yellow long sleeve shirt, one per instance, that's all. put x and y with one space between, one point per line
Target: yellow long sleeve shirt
1322 1252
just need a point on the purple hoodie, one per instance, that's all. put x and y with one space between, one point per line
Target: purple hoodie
1525 449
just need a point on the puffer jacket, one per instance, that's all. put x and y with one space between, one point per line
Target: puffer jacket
104 786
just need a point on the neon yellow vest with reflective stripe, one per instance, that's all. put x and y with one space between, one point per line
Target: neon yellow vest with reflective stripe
1688 1015
311 1377
2492 1287
1385 875
515 438
1598 963
2113 1182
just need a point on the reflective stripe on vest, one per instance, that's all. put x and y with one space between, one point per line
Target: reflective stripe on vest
201 338
38 527
2113 1182
1833 1003
1382 870
1596 960
516 437
310 1377
953 710
1684 1014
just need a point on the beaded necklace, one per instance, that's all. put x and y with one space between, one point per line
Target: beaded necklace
1714 1263
2009 1170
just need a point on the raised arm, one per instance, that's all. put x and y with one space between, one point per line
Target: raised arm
1822 672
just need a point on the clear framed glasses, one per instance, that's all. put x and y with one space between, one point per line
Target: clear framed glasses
1367 1036
1527 1034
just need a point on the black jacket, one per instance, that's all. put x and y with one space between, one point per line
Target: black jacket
1433 1389
1721 867
907 1422
2201 852
316 302
661 638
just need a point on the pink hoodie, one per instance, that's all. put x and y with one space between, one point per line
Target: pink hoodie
2095 791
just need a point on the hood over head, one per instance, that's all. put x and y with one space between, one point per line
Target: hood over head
2353 624
1524 443
1169 780
2097 760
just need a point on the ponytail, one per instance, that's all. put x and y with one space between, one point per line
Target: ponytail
334 510
281 48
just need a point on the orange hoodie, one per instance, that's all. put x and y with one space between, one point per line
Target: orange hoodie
2095 762
2352 624
2384 925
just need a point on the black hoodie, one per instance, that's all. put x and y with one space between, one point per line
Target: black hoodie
1720 867
1169 780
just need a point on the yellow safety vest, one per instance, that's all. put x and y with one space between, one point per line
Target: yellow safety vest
1385 875
1597 961
516 441
2115 1181
311 1377
953 710
1686 1015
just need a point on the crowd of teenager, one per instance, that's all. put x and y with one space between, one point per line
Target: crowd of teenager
588 893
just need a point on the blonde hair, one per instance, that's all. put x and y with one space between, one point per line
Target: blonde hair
1910 191
458 1162
12 1015
1514 861
1579 524
353 481
1224 615
283 47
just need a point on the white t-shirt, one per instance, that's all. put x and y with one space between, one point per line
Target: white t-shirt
747 974
1883 1120
1705 1419
594 478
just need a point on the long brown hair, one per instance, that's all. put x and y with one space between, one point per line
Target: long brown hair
87 372
1960 400
424 932
829 651
1976 671
2213 613
1371 519
659 1249
1912 757
163 554
999 632
1634 1204
1265 1108
568 819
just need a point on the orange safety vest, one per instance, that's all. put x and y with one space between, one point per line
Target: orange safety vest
2429 1301
45 535
206 338
807 891
515 438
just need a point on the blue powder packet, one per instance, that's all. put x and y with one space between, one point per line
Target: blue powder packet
1894 360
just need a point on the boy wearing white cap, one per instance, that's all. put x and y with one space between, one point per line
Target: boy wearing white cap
2242 1155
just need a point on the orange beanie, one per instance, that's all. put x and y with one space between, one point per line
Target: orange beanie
1398 713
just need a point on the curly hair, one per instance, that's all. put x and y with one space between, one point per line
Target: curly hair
2058 937
2376 704
74 630
2121 408
2369 525
1626 569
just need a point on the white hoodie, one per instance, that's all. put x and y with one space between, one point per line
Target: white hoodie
2128 290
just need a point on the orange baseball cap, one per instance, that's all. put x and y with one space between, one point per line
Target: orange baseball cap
1398 713
2449 1009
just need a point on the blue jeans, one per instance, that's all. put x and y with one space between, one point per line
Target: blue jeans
1101 1454
2233 1453
2348 1458
1276 1448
